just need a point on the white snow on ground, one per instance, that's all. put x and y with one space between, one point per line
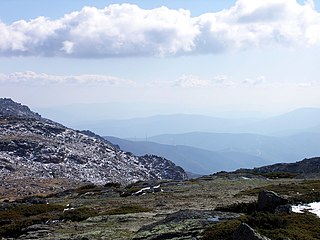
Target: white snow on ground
311 207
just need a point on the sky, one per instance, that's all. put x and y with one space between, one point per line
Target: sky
169 56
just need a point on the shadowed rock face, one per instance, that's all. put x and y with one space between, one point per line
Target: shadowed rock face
245 232
33 147
269 201
10 108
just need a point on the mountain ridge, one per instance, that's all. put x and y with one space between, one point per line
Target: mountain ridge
33 147
9 108
306 168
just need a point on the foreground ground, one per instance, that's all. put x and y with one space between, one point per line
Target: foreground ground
175 210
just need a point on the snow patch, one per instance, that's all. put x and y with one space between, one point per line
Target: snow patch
311 207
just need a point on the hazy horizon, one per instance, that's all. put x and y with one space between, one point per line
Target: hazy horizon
126 111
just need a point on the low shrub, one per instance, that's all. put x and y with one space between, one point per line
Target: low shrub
78 214
241 207
276 175
17 217
265 220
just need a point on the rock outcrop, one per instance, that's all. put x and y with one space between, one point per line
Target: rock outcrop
269 201
181 225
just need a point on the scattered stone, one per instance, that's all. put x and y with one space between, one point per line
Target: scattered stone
269 201
245 232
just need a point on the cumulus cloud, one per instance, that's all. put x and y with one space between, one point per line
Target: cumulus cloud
33 78
127 30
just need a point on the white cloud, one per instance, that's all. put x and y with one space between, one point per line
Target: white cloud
127 30
264 23
224 81
191 81
30 78
260 80
33 78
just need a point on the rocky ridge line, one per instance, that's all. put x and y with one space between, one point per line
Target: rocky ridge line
33 147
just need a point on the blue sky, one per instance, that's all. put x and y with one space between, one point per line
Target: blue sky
13 10
211 56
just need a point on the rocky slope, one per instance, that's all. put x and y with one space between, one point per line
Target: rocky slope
10 108
33 147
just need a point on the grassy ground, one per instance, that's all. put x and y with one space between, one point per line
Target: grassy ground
282 226
99 212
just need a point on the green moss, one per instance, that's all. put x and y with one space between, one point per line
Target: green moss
221 231
127 209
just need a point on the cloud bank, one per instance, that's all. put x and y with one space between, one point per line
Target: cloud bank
127 30
30 78
33 78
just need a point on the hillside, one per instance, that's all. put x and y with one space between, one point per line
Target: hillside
35 148
307 168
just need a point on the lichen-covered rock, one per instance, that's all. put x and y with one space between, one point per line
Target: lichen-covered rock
184 224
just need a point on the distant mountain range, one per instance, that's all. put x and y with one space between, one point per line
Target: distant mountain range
192 159
34 147
298 121
211 152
